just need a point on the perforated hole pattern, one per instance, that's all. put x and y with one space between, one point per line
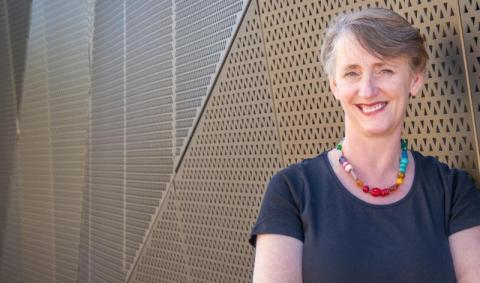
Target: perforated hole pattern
270 106
219 185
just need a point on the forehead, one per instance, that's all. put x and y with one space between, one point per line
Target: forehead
350 53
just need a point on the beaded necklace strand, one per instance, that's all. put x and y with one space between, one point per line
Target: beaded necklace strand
376 192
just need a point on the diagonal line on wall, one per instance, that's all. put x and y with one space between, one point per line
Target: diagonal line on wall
469 86
207 97
275 114
170 188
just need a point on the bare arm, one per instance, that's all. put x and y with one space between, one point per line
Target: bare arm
465 249
278 259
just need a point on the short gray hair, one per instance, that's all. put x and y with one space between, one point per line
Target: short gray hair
382 32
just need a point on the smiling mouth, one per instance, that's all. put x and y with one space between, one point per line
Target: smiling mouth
371 108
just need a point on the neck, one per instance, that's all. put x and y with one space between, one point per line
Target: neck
375 159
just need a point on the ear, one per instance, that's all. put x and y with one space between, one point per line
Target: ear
333 86
417 82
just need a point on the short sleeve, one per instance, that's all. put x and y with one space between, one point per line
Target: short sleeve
465 203
279 212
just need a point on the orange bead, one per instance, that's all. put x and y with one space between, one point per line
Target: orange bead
401 175
359 183
399 181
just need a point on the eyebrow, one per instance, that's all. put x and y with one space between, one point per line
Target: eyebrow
376 65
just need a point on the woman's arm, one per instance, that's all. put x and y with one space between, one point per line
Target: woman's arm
465 249
278 259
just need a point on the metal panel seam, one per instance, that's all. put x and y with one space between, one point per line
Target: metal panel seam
209 94
469 86
162 207
124 134
270 83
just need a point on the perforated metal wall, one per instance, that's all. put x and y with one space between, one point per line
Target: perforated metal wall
469 11
145 144
309 121
149 114
103 226
200 234
203 31
68 42
439 120
34 173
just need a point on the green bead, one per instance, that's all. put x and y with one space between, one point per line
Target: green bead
403 144
339 146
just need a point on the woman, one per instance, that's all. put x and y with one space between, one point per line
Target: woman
370 210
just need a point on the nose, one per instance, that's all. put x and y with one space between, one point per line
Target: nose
368 87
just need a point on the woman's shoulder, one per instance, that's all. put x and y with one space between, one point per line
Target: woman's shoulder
435 170
304 166
298 174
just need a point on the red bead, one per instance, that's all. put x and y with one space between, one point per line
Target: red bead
385 192
375 192
366 189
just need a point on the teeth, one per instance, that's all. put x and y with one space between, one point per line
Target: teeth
375 107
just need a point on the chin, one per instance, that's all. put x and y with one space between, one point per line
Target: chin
379 131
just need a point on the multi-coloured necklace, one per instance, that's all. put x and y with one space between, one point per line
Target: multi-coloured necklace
376 192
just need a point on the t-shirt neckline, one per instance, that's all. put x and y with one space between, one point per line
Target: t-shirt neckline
347 193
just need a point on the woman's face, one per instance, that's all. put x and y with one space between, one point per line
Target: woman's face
373 92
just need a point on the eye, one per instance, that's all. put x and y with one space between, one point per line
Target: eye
350 74
386 71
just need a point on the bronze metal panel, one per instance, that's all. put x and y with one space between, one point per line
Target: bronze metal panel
470 15
149 116
203 31
219 186
162 258
439 121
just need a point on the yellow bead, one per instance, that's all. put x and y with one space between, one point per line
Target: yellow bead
399 181
359 183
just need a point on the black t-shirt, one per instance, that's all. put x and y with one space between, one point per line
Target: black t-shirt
346 239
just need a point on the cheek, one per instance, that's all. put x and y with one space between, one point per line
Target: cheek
345 92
